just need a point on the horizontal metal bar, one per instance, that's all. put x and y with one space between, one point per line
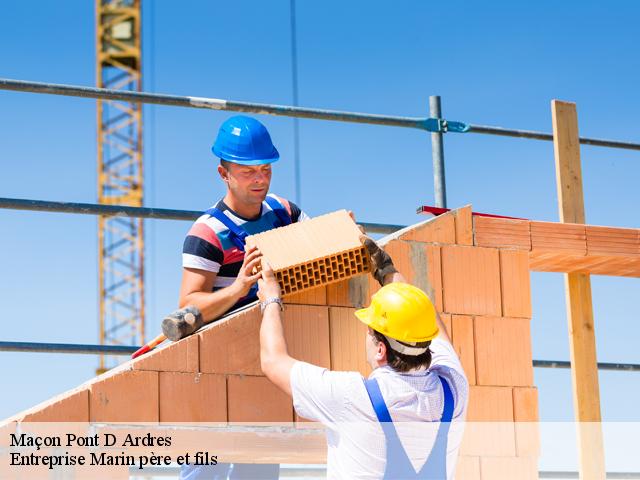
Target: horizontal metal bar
507 132
609 475
126 350
212 103
629 367
66 348
136 212
422 123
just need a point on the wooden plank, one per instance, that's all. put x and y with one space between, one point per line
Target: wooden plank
566 148
584 369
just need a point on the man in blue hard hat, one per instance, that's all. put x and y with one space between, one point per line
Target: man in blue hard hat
217 271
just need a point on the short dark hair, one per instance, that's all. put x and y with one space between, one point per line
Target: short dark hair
226 164
401 362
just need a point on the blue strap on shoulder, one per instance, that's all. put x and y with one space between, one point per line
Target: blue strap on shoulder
398 463
237 234
279 210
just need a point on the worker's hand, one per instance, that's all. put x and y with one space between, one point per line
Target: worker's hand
268 286
249 272
381 263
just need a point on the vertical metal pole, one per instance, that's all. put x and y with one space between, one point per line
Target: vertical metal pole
294 83
437 153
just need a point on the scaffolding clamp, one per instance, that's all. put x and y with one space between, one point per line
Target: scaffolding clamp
440 125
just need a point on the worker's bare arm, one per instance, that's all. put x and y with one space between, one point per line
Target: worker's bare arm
275 361
197 285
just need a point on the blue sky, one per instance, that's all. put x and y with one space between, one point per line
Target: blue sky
497 63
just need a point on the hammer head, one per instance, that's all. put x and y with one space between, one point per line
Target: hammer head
182 323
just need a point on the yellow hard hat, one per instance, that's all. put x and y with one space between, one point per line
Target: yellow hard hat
401 311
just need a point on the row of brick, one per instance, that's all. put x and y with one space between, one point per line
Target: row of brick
567 237
465 279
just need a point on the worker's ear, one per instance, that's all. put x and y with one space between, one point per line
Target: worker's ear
224 173
381 352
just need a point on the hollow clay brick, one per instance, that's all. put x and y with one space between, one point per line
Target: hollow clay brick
613 241
348 335
323 250
471 280
69 407
306 331
468 468
506 468
192 397
462 329
515 283
496 439
559 237
400 252
127 396
350 293
440 229
233 344
182 356
313 296
446 319
503 351
338 294
490 404
434 275
525 413
464 226
501 232
420 264
256 399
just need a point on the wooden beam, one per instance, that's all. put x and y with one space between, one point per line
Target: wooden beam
584 368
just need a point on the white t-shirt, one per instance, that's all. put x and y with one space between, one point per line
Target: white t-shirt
356 443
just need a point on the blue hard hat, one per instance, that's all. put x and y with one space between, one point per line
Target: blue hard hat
246 141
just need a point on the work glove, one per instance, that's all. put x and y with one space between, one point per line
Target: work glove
381 263
182 323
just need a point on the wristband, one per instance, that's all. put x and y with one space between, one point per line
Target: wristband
269 301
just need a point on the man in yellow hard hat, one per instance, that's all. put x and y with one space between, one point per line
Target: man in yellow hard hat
406 419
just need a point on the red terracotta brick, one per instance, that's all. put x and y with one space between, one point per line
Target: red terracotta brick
525 413
400 253
338 294
613 241
192 397
440 229
471 280
525 404
323 250
434 275
6 429
559 237
181 356
306 330
462 329
446 319
502 232
314 296
501 437
490 404
503 351
348 336
420 264
515 282
505 468
128 396
464 225
256 399
468 468
232 345
71 406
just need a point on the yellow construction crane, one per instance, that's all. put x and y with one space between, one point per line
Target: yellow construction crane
120 180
